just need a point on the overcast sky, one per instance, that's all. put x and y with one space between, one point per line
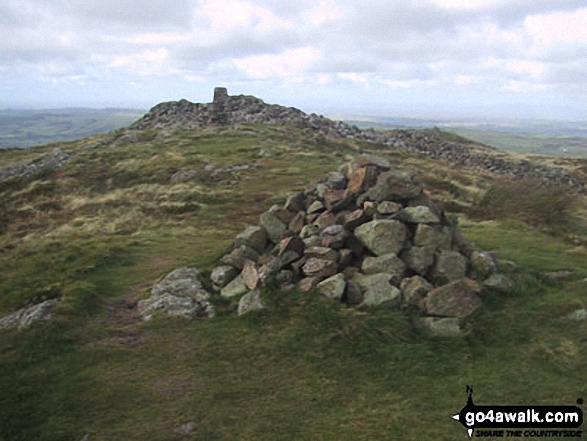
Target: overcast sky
512 58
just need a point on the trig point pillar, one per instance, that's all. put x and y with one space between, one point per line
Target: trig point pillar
220 94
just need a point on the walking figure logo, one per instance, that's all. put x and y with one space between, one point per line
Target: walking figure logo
460 417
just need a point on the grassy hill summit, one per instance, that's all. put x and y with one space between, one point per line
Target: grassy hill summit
92 225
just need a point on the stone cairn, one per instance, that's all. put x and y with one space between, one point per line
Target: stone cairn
367 236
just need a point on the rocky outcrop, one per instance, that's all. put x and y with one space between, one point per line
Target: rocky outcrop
57 158
392 247
179 294
23 318
232 110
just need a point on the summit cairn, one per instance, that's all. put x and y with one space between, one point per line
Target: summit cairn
368 236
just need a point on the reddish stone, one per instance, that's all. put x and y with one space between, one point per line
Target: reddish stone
362 179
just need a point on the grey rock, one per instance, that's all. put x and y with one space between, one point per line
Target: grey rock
386 263
369 159
578 315
498 283
181 282
273 226
315 267
254 237
388 207
482 264
419 259
222 276
322 253
418 215
382 236
555 276
440 326
506 266
432 236
378 291
395 186
185 429
456 299
414 289
333 287
25 317
235 288
176 306
316 207
336 180
354 293
251 301
183 175
237 257
309 231
449 266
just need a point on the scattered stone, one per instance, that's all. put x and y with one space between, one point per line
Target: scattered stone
25 317
498 283
251 301
556 276
185 429
316 207
482 264
354 294
440 326
578 315
506 266
183 175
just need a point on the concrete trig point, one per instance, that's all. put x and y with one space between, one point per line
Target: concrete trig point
220 94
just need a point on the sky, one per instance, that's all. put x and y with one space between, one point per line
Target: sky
466 58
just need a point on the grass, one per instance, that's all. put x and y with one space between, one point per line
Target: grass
303 369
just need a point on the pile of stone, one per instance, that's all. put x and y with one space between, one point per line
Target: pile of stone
233 110
366 235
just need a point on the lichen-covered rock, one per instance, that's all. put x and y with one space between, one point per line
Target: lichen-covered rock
25 317
254 237
449 266
418 215
482 264
498 283
382 236
414 289
386 263
396 185
250 275
378 291
251 301
333 287
419 259
432 236
237 257
273 226
456 299
181 282
222 276
440 326
236 287
322 268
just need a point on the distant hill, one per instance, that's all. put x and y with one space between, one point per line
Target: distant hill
33 127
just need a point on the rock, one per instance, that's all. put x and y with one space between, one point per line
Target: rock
295 203
418 215
336 200
308 283
176 306
322 253
298 222
367 159
183 175
414 289
282 214
238 256
185 429
249 274
578 315
325 220
378 291
386 263
320 190
315 267
251 301
382 236
309 231
432 236
334 237
448 266
273 226
370 208
181 282
353 219
345 258
482 264
285 277
25 317
456 299
498 283
353 294
361 180
419 259
506 266
254 237
235 288
333 287
316 207
555 276
395 186
293 243
222 276
336 180
388 207
440 326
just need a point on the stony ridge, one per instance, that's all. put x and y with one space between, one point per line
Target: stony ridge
234 110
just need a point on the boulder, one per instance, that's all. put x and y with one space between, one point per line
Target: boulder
254 237
498 283
336 180
181 282
382 236
336 200
322 268
250 275
432 236
333 287
362 179
386 263
297 222
418 215
251 301
273 226
222 276
378 291
448 266
414 289
397 185
419 259
440 326
25 317
353 219
456 299
237 287
482 264
237 257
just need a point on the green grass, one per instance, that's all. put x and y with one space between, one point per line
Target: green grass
303 369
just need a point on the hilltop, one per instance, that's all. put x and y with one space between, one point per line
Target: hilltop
97 223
